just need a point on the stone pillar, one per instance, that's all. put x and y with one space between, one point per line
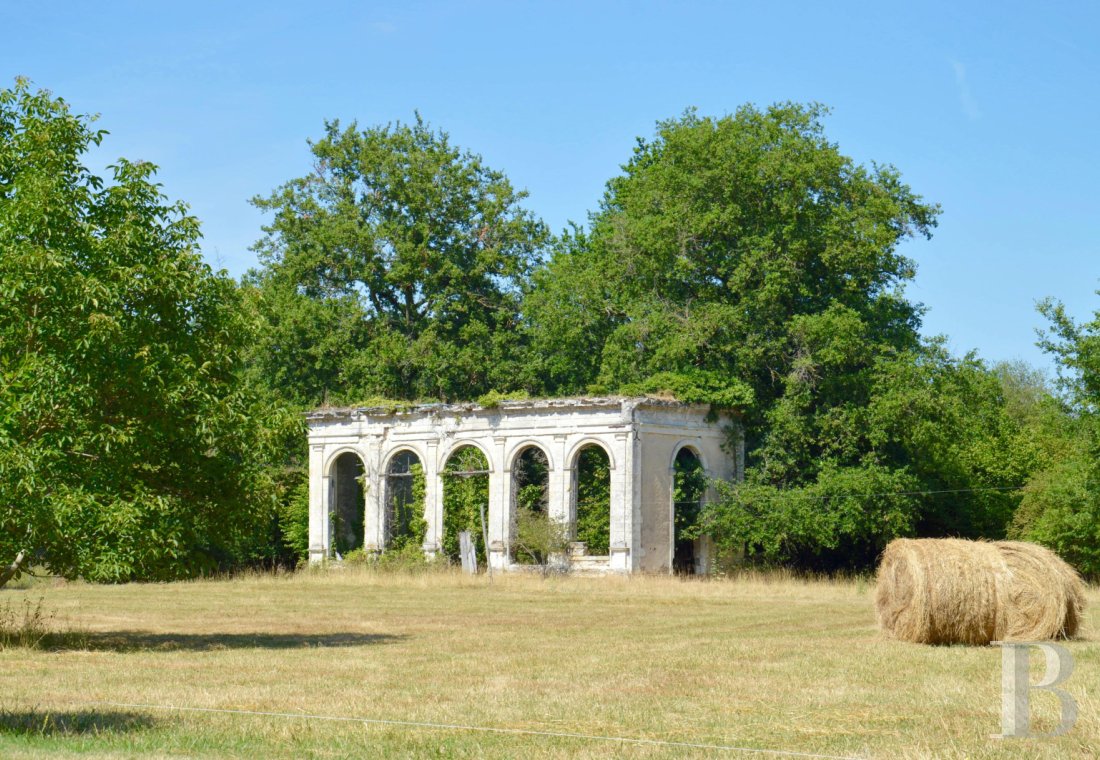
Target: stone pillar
318 504
634 465
433 500
739 456
622 502
374 495
499 516
558 493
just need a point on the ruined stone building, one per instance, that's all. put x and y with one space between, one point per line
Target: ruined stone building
619 473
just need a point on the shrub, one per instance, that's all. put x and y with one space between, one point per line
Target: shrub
539 537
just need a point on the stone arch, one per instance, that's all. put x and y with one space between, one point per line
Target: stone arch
689 484
529 505
413 446
522 474
446 454
464 477
591 495
333 455
585 442
346 511
517 448
692 444
403 497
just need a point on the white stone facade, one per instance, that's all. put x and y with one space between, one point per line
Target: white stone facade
640 436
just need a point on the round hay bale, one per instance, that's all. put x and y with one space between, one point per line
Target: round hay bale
1046 596
952 591
941 591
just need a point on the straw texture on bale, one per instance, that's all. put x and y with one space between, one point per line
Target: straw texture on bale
952 591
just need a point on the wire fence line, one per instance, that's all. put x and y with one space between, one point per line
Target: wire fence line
781 493
535 733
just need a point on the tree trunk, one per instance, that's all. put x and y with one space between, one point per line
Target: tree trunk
9 572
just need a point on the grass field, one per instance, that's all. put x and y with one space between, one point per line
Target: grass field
765 663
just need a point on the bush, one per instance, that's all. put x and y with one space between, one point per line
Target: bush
293 519
539 538
356 558
1061 510
841 521
492 399
408 558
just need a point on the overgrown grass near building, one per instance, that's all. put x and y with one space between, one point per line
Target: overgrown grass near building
759 661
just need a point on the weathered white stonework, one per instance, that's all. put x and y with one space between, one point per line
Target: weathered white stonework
641 437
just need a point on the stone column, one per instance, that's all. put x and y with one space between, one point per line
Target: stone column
433 500
739 456
557 506
374 494
499 517
622 501
634 465
318 504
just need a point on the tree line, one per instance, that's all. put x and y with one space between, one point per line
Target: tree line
151 409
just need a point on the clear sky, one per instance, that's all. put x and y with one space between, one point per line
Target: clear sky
990 109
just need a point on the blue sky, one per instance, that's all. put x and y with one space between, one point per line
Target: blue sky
988 109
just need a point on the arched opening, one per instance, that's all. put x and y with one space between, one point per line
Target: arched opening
592 489
404 514
689 484
346 506
465 500
536 535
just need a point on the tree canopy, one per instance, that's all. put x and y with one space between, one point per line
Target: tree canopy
395 268
724 241
127 445
746 262
1061 504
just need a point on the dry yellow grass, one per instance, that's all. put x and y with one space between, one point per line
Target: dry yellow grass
758 662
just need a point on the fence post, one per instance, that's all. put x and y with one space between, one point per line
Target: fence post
467 553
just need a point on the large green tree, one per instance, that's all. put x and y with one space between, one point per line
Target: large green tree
1061 505
721 239
395 268
916 443
128 447
745 261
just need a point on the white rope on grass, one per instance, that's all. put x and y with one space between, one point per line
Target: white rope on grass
483 729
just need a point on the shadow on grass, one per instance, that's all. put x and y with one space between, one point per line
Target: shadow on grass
135 641
70 723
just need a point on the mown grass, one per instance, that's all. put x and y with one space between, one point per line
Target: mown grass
758 662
